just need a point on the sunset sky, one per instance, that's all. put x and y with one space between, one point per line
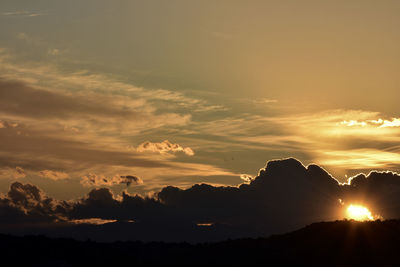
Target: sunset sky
138 95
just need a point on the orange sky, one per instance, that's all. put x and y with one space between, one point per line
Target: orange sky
178 92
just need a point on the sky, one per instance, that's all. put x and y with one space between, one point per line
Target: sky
138 95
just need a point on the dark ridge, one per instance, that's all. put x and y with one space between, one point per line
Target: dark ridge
339 243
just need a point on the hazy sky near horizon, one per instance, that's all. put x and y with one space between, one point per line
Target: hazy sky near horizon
90 91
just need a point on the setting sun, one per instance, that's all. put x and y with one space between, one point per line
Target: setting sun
359 213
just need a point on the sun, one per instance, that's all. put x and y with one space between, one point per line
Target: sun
359 213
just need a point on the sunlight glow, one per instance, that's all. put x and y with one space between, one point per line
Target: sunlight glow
359 213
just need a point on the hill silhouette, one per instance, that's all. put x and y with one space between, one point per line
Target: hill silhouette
338 243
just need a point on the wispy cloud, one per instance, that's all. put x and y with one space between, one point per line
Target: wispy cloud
340 139
82 123
265 101
54 175
23 14
47 76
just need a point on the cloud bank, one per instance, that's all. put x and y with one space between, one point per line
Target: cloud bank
283 196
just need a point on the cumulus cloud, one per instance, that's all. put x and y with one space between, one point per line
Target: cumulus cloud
164 147
101 180
246 178
26 203
283 196
54 175
16 172
379 190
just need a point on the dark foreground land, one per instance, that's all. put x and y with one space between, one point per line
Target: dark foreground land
340 243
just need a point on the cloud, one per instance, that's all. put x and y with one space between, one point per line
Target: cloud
7 124
129 179
265 101
379 191
356 159
86 133
74 132
164 147
394 122
96 221
53 52
40 147
38 103
84 81
246 178
82 121
26 203
54 175
334 138
16 172
24 14
284 195
101 180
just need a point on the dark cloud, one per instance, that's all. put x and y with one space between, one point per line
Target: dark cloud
101 180
378 190
25 203
285 195
130 179
101 203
